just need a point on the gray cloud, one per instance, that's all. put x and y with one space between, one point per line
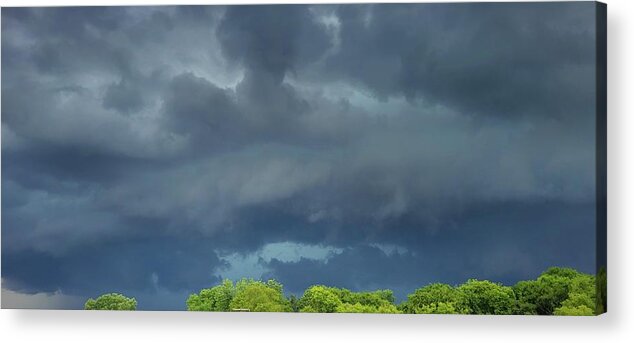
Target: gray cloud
123 97
490 59
482 243
272 39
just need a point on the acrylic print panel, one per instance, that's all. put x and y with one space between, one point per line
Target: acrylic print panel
368 158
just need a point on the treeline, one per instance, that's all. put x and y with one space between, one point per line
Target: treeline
557 291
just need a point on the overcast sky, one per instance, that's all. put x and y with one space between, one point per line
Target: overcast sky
156 150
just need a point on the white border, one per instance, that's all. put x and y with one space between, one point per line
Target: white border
79 326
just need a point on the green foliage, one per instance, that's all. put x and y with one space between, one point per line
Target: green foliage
567 273
541 296
434 298
320 299
212 299
486 297
583 284
293 302
577 300
375 299
574 311
441 308
544 295
112 302
257 296
273 284
246 294
360 308
527 293
581 300
325 299
549 291
557 291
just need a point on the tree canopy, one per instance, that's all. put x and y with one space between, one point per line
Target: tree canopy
435 298
258 296
331 299
112 302
215 298
245 295
557 291
486 297
320 299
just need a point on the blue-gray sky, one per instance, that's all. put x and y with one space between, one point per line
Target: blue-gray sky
156 150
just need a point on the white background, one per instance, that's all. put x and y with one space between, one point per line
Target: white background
615 326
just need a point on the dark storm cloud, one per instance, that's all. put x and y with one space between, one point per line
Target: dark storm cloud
272 39
123 97
139 264
74 38
491 59
485 244
358 268
269 41
205 113
128 132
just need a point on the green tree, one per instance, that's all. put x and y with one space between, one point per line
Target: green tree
360 308
257 296
434 298
486 297
564 272
375 299
331 299
293 302
557 291
212 299
574 311
541 296
320 299
581 297
112 302
583 283
577 300
551 291
527 293
440 308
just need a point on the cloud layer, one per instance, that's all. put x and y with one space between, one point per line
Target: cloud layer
149 150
